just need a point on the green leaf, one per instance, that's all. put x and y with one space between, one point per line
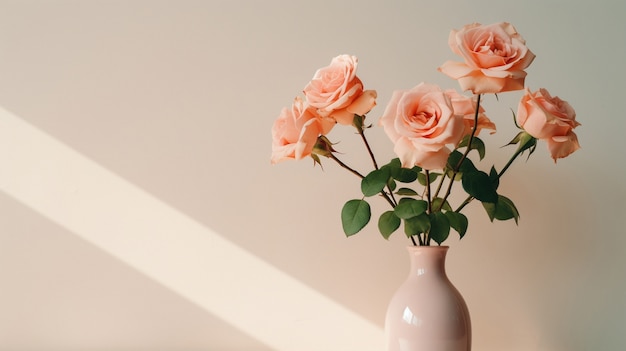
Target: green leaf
449 174
439 227
505 202
394 163
355 214
466 166
479 185
416 225
401 174
404 175
437 205
502 210
458 222
406 192
375 182
388 223
495 179
408 208
421 177
477 145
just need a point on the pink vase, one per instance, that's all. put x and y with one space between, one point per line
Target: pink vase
427 313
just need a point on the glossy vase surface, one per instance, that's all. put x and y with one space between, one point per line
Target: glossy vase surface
427 313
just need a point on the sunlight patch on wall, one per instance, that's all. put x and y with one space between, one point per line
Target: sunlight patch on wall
171 248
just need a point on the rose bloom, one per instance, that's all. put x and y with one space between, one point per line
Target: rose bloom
295 132
466 106
421 122
551 119
495 58
336 91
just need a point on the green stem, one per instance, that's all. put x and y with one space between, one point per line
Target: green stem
464 203
367 145
355 172
430 209
472 135
509 163
352 170
455 171
429 199
443 177
361 131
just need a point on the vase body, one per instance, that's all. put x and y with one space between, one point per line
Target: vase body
427 313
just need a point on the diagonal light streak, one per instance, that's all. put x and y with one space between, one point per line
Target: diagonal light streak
171 248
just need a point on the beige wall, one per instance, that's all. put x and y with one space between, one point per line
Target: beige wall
139 210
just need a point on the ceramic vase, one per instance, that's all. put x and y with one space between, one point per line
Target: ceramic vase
427 313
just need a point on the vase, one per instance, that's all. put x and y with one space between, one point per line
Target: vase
427 313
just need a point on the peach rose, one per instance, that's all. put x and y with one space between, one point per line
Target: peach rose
551 119
495 58
466 107
336 91
421 122
295 132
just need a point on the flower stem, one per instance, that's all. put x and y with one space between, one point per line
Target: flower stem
509 163
358 123
440 185
352 170
430 201
472 135
430 209
455 171
367 145
464 203
389 199
419 238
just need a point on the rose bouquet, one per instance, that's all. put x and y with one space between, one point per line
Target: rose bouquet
435 133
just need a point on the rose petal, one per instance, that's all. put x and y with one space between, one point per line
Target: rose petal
455 70
364 103
561 147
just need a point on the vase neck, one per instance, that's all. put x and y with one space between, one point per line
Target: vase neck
427 260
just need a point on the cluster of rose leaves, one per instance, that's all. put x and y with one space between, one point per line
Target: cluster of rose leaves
429 127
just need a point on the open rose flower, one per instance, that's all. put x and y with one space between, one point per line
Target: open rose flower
495 58
422 122
336 91
551 119
466 107
295 132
